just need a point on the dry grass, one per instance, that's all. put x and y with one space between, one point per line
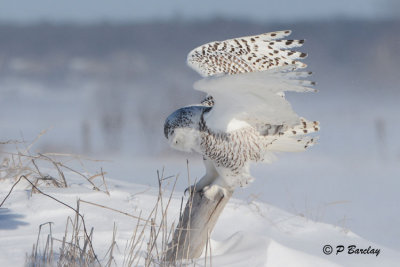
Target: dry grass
152 236
43 257
76 245
148 245
149 242
74 249
44 169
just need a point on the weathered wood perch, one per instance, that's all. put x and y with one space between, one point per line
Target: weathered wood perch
195 225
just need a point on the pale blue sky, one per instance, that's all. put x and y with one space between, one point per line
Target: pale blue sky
132 10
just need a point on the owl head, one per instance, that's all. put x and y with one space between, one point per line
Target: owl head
182 127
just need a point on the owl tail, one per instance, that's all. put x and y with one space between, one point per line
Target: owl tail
294 139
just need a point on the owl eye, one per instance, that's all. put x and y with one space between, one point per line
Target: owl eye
176 142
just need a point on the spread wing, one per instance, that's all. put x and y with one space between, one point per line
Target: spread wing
253 97
264 66
246 54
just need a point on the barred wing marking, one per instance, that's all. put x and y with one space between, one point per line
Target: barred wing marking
246 54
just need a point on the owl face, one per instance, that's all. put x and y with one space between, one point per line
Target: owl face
185 139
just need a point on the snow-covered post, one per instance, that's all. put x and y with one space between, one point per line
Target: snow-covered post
195 226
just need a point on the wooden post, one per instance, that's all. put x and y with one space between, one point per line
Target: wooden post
195 225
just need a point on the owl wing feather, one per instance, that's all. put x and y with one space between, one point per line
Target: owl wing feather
246 54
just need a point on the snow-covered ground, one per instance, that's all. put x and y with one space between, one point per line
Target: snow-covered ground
248 233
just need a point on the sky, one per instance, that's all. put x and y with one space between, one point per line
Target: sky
90 11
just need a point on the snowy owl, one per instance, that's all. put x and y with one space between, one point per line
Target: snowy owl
245 116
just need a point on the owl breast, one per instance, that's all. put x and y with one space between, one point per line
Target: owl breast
232 150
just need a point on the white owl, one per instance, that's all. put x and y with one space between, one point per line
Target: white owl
245 117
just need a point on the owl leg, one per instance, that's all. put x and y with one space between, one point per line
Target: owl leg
207 179
224 183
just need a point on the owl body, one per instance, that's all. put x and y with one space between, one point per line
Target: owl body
245 116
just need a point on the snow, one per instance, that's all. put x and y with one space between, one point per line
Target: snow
248 233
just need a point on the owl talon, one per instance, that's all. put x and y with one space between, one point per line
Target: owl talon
189 190
192 188
214 192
